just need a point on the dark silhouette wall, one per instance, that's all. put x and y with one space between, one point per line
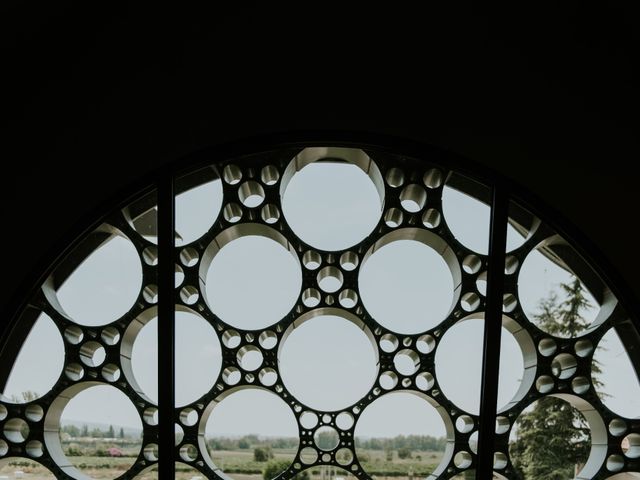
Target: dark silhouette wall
96 99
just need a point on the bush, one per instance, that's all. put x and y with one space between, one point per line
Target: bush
276 467
262 454
404 453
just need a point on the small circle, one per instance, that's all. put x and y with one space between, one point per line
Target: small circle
348 298
308 420
500 460
232 174
502 424
269 175
326 418
388 342
34 412
544 384
580 385
564 366
92 354
344 456
34 449
425 344
270 214
74 372
231 339
470 301
178 276
471 264
424 381
311 297
394 177
268 339
232 212
615 463
151 452
349 261
4 448
330 279
326 438
431 218
73 334
308 455
547 347
311 260
413 198
231 375
179 434
3 412
462 460
393 217
584 347
326 457
16 430
511 264
188 416
111 372
388 380
509 302
464 423
251 194
249 358
631 445
188 452
268 377
110 336
617 427
150 255
406 362
433 178
189 257
150 294
150 416
189 294
345 420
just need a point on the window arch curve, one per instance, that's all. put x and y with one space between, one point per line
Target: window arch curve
416 253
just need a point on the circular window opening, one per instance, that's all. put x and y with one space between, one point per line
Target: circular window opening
240 437
404 431
328 362
253 281
330 201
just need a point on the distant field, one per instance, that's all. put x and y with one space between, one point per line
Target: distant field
239 464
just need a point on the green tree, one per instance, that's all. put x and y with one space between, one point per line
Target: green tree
121 434
276 467
111 432
244 444
85 430
553 437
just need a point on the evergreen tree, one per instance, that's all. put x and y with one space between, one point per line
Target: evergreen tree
111 432
121 434
553 437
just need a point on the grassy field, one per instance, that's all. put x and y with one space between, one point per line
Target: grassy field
239 464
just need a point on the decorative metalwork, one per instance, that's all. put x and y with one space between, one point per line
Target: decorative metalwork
411 192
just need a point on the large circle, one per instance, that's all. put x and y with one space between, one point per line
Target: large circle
30 376
328 362
404 422
542 289
236 427
82 418
458 363
196 210
617 382
198 358
406 286
104 286
252 282
331 206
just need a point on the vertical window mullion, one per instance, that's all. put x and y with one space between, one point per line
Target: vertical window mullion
166 328
492 332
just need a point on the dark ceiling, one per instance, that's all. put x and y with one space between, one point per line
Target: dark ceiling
95 99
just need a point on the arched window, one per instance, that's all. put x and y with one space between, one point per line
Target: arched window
322 311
